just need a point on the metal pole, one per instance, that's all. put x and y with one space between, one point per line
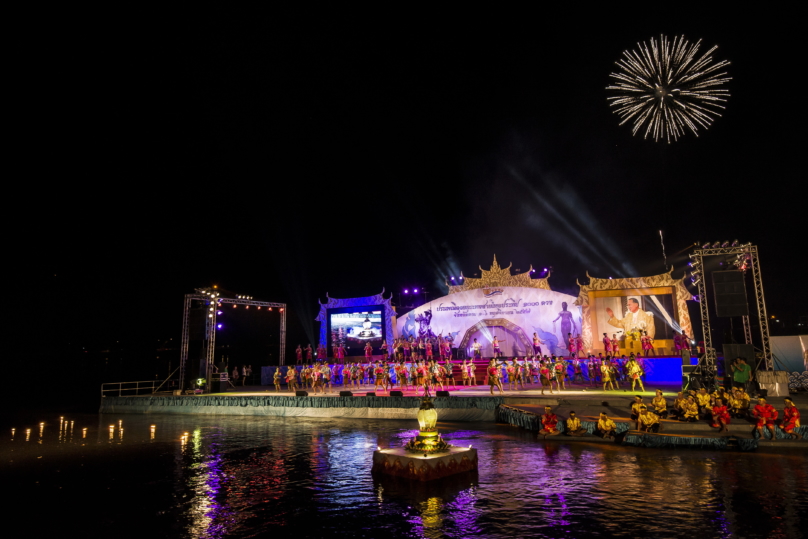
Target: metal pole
763 316
707 363
282 358
186 311
747 330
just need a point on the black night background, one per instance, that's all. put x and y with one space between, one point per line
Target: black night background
298 155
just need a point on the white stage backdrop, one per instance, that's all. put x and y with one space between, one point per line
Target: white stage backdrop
512 314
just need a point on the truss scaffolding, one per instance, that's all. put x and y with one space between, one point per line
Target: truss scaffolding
707 363
212 300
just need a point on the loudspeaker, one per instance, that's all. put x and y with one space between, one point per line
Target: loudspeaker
301 393
345 394
442 394
370 394
396 393
730 293
685 357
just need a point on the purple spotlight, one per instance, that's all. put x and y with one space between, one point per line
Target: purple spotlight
453 278
218 326
545 269
531 271
415 290
406 291
218 312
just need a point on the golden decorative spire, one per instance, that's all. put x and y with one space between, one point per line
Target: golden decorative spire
497 276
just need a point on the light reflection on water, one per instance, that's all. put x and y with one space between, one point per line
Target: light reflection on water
254 476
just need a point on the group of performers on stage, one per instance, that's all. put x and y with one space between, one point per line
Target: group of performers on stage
718 408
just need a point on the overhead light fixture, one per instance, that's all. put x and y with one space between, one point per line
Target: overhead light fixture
725 244
734 243
716 245
706 245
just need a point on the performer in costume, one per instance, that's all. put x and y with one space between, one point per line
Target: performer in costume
606 374
579 346
276 378
739 403
511 370
495 346
704 400
472 375
606 427
537 345
493 377
660 405
635 407
346 375
291 379
766 415
428 348
691 410
298 355
678 408
571 346
384 351
615 344
560 370
720 416
379 376
648 422
607 344
447 348
308 353
545 375
791 419
368 353
549 423
317 380
450 377
477 347
634 372
574 427
647 344
577 372
614 373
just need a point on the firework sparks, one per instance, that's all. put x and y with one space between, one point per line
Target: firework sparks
663 86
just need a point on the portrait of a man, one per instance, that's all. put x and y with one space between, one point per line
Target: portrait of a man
635 318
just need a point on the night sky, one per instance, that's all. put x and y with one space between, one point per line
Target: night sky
297 155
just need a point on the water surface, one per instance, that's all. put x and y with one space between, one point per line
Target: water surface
260 477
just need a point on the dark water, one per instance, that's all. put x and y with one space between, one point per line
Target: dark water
301 477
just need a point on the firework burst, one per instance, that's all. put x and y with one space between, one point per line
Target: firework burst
664 88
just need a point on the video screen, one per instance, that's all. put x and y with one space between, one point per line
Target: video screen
354 330
621 312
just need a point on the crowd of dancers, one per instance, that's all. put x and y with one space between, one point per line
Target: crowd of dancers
429 374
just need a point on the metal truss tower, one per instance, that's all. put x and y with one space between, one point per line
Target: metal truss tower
707 364
212 300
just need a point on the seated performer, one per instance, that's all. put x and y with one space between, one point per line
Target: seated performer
739 403
635 407
549 423
791 419
703 399
691 410
574 427
766 415
606 427
647 422
678 408
660 406
720 416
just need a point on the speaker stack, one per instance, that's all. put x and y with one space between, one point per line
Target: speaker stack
345 394
301 393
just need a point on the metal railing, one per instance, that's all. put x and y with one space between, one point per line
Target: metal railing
129 388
